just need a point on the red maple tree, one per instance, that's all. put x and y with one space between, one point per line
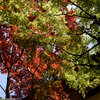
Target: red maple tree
34 80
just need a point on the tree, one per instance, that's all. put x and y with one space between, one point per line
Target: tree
85 73
9 53
28 79
42 35
26 28
36 81
89 21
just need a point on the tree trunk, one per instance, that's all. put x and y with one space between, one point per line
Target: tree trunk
8 83
32 89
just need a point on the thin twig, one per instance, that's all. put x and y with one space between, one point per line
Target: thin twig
2 89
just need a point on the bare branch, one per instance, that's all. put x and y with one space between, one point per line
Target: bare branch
2 89
87 51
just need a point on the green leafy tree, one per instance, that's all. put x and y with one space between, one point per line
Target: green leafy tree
85 73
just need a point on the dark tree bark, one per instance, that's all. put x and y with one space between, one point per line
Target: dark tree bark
8 84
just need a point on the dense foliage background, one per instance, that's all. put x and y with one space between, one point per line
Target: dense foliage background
45 47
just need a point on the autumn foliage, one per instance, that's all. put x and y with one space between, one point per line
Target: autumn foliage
29 79
34 72
71 20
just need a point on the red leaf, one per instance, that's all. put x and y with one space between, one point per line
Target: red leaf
8 64
31 18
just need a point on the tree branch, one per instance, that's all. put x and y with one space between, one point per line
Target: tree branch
28 71
91 17
69 52
87 51
91 36
81 9
18 57
80 33
65 50
3 89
